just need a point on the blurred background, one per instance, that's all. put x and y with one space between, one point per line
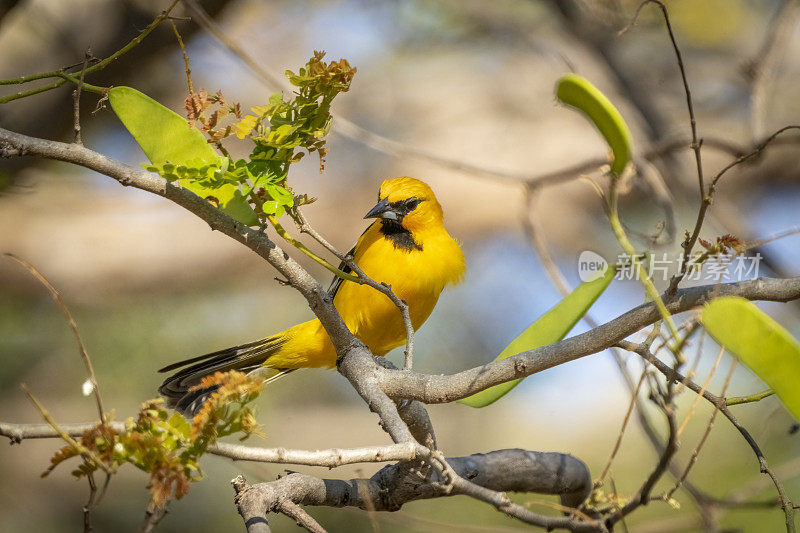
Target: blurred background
460 94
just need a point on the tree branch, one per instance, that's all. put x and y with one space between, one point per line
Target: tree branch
330 458
447 388
394 485
719 404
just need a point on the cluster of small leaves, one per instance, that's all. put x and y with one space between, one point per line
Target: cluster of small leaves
283 131
198 103
282 128
724 245
167 446
96 440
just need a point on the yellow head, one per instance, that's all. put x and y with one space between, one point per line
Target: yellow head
408 202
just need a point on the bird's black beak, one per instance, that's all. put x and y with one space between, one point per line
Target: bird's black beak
382 210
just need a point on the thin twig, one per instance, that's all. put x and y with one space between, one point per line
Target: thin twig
719 403
696 451
693 369
76 96
757 397
152 516
86 453
185 56
787 470
642 496
631 405
303 248
696 144
760 147
708 199
73 325
65 76
87 509
702 390
760 70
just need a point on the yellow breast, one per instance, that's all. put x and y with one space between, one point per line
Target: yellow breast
417 276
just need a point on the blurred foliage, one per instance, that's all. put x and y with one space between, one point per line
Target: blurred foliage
167 446
710 23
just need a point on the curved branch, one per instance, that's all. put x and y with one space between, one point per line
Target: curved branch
447 388
395 485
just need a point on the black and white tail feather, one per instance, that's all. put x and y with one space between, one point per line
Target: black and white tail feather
247 358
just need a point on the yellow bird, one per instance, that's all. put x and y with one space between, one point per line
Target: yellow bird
407 247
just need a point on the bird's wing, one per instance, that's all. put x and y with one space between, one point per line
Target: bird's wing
337 281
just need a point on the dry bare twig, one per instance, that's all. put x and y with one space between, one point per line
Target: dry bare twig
719 403
696 451
73 326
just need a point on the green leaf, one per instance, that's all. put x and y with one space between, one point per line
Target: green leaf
578 92
280 194
760 343
271 207
549 328
167 140
162 134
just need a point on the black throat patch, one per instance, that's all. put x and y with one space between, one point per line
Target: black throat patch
400 237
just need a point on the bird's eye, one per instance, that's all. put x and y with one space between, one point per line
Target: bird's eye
412 203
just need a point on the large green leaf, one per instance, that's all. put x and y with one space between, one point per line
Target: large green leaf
551 327
165 136
760 343
579 93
